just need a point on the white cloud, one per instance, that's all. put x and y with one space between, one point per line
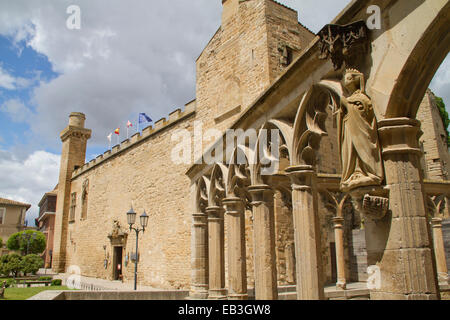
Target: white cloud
27 180
16 110
9 82
6 80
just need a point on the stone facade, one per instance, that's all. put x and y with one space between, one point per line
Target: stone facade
238 64
299 226
434 140
12 219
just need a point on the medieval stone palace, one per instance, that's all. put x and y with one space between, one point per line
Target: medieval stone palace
361 189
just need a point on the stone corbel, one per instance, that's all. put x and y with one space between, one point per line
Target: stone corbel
372 202
343 43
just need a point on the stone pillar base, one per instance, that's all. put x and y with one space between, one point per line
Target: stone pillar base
238 297
220 294
198 295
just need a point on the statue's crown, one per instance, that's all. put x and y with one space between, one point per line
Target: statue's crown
351 70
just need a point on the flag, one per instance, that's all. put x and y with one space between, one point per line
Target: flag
109 137
144 118
129 124
117 131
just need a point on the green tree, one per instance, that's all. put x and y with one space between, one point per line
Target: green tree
31 264
27 242
1 243
444 116
10 263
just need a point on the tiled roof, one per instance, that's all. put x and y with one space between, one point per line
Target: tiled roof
14 203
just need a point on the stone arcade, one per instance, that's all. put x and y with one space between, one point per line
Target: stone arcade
353 188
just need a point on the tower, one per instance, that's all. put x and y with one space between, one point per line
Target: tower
74 140
256 42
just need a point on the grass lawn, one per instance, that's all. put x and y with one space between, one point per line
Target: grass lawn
25 293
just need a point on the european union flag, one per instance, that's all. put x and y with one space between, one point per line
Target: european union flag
144 118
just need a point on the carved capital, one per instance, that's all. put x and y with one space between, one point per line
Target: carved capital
214 213
302 177
344 44
234 206
400 136
436 223
338 222
200 219
260 194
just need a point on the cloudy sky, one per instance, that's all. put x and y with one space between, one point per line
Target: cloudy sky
128 57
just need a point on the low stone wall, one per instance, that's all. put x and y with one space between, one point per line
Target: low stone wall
113 295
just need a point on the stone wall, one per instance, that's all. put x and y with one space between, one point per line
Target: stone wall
436 161
242 59
237 65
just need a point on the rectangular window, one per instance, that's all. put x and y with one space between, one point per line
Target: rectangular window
73 205
2 215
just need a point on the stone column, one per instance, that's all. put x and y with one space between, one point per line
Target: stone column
199 260
338 223
237 267
216 251
308 254
266 286
439 251
407 267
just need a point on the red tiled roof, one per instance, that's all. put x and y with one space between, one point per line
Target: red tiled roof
14 203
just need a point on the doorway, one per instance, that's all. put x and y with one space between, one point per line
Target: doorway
117 263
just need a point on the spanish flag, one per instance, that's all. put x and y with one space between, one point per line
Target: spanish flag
117 131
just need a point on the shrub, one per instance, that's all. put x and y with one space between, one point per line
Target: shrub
18 242
45 278
31 264
10 283
56 282
1 243
10 263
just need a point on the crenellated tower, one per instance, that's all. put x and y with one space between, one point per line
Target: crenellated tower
74 140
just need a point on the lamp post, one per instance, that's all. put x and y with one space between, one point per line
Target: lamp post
28 237
131 218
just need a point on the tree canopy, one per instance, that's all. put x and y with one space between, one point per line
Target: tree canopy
27 242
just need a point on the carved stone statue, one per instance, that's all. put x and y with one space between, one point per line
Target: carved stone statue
358 136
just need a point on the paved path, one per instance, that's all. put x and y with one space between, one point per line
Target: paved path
89 283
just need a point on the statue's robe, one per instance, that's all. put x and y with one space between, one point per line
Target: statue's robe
359 144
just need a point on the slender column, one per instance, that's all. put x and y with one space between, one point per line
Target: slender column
199 260
264 243
407 267
308 252
237 268
216 251
338 223
439 250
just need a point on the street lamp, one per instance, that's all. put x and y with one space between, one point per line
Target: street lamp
28 237
131 219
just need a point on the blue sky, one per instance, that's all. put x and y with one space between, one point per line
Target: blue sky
124 60
20 61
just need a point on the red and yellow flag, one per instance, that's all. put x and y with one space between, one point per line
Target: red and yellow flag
117 131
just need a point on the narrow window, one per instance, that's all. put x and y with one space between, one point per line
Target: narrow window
2 215
73 205
84 200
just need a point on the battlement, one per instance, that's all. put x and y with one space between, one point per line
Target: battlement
150 131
